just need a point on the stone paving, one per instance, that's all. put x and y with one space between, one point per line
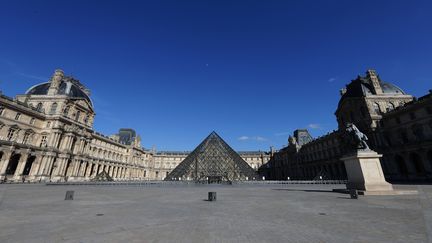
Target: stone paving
242 213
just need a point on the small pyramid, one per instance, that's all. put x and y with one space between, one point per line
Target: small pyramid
213 161
103 176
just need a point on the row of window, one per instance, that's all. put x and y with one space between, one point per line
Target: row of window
402 134
17 116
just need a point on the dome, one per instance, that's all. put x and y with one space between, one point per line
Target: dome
389 88
69 88
362 87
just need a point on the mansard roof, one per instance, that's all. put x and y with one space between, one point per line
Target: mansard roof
69 86
361 87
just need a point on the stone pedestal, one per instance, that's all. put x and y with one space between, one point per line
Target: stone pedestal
365 173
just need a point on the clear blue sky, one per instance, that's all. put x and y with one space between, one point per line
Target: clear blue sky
251 70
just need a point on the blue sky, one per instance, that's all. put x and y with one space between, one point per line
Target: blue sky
251 70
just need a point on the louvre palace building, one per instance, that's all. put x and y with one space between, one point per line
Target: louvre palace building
47 134
398 126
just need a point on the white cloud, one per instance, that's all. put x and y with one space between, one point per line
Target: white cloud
331 80
314 126
243 138
255 138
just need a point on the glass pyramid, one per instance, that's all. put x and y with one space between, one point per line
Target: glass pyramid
213 161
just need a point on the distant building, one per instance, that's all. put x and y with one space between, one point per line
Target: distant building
47 134
398 126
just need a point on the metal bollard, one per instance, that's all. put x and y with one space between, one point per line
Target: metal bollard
354 194
212 196
69 195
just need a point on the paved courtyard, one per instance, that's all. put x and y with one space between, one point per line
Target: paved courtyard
242 213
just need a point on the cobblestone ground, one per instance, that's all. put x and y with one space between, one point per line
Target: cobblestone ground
242 213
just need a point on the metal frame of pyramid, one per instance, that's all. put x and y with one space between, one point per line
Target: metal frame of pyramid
213 159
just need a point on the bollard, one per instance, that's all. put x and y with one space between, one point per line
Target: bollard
354 194
69 195
212 196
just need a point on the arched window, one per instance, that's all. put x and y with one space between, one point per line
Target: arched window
39 106
66 110
376 108
53 108
390 107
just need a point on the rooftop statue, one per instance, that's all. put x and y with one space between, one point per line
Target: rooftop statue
356 138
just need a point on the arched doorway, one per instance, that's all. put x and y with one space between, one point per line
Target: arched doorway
13 163
402 168
418 164
28 165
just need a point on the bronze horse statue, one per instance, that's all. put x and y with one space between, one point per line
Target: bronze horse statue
357 138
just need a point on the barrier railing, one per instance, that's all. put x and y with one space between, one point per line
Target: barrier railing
160 183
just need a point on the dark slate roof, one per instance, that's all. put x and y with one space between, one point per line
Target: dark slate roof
361 87
75 90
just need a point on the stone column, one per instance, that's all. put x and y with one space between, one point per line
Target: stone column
35 167
115 172
49 166
365 173
4 163
95 169
88 170
42 165
110 171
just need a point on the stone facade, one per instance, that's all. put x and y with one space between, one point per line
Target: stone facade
398 125
47 135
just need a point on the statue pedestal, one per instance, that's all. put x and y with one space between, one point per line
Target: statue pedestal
365 173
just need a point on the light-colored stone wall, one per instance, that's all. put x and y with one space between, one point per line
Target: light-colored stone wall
50 136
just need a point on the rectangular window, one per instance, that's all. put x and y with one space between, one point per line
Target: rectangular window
26 138
11 134
43 141
17 116
32 121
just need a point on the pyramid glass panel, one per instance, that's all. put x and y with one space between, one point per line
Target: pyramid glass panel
213 161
